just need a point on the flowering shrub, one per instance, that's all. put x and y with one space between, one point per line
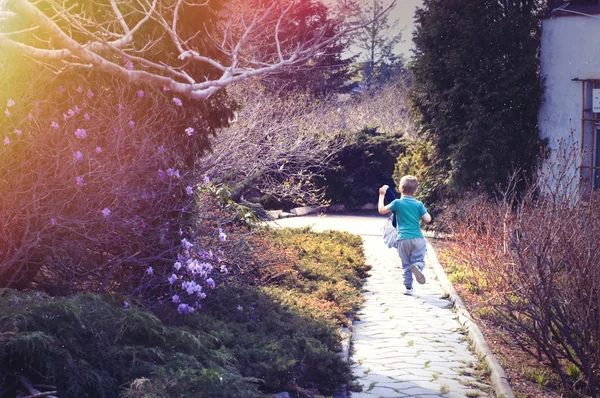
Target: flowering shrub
97 188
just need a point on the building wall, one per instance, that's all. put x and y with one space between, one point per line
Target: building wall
570 49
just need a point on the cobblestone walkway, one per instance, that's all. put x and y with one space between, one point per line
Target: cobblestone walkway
403 346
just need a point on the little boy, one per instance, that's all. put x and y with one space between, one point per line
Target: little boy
411 244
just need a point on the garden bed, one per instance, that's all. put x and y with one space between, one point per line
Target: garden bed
275 330
527 377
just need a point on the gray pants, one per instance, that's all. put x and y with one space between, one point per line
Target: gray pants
411 251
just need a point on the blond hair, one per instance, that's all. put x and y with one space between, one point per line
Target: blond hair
408 185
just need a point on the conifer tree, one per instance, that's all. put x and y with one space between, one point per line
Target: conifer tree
477 90
377 41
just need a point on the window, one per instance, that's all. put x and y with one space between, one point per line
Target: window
590 136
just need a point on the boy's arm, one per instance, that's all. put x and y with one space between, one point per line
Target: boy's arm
425 216
380 206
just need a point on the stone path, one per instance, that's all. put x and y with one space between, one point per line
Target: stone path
403 346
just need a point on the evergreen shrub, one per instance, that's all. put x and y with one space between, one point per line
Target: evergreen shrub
267 326
362 166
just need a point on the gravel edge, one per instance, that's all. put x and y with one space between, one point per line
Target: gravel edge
498 377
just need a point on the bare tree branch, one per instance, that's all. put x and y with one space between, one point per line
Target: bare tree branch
237 40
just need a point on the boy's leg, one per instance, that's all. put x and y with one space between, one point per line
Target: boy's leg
417 255
404 252
417 258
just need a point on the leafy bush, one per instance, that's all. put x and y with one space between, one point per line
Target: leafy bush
534 259
363 165
419 160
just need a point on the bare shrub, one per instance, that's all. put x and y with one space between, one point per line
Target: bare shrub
280 144
386 107
535 259
276 146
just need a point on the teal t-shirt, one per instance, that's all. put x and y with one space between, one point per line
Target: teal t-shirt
408 214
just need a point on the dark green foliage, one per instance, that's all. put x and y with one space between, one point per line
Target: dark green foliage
476 89
246 340
419 160
363 166
92 346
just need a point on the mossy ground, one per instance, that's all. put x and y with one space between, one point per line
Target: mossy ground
246 341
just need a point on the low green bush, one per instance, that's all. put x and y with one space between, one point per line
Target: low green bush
251 337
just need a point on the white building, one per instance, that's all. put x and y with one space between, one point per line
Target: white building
570 65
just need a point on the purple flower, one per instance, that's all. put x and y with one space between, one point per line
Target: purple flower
125 304
79 89
170 172
185 309
61 89
78 156
90 93
53 221
176 298
140 93
189 131
189 190
224 269
172 279
177 101
77 110
160 149
54 125
222 235
191 287
131 123
106 212
210 283
71 113
240 308
116 130
165 88
30 116
79 181
129 65
65 117
150 271
10 103
98 150
80 134
206 180
7 113
18 132
6 141
161 174
186 245
86 116
177 265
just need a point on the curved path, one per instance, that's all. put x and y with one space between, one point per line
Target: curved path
403 346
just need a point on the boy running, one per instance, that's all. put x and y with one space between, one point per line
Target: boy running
411 244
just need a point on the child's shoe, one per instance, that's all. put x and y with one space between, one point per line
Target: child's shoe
417 273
